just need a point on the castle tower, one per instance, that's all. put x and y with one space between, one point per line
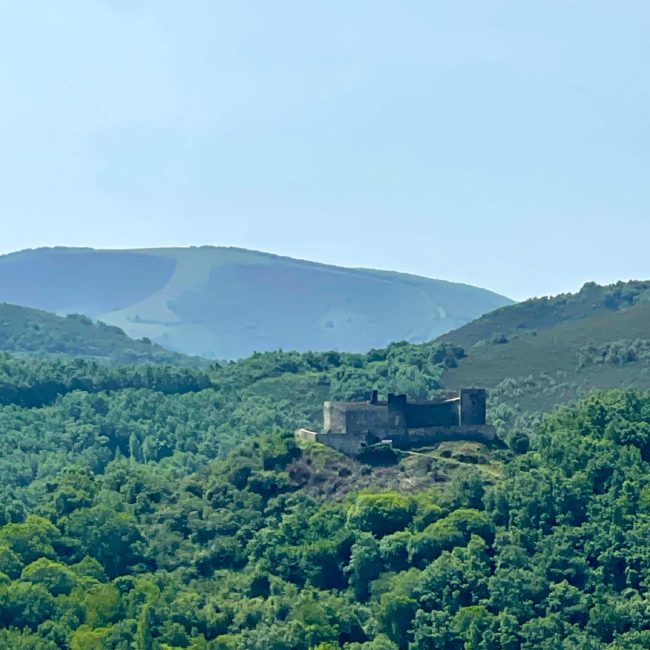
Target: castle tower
472 406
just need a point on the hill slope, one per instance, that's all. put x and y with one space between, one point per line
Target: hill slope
228 302
35 332
546 351
123 525
544 313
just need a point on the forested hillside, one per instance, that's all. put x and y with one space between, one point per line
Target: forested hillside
39 333
157 507
227 303
64 412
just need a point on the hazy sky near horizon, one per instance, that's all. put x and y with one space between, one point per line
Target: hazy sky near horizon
496 142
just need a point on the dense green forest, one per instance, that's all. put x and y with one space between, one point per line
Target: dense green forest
157 507
54 413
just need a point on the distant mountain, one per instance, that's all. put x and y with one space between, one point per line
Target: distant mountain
32 332
546 351
229 302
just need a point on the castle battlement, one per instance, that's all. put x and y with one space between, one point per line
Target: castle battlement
351 427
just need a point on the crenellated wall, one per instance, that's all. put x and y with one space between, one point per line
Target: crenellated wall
350 427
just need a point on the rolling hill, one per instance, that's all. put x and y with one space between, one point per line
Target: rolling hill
538 314
33 332
227 303
548 351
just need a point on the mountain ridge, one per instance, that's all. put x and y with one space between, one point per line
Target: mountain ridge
228 302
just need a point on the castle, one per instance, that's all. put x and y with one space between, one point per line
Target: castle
351 427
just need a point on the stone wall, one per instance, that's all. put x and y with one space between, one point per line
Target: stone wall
443 414
472 406
353 444
305 434
374 419
346 443
350 427
334 416
433 435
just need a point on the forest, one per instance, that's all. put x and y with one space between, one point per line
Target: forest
159 507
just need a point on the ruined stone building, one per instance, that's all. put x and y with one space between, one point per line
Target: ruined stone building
351 427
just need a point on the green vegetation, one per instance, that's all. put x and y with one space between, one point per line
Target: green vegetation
35 332
143 508
61 412
226 303
539 314
163 506
549 351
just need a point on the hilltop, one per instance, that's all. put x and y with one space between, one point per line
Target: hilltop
226 303
27 331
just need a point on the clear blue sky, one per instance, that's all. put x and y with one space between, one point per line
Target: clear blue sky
499 143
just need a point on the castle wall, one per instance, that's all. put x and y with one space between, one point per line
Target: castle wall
396 405
354 444
334 416
306 435
373 419
349 444
346 443
350 427
434 435
444 414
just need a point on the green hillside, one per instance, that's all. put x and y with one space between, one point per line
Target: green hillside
36 332
203 411
544 352
163 507
227 303
159 508
544 313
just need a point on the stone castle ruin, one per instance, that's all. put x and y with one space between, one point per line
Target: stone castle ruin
352 427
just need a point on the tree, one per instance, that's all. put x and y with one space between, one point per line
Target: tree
25 605
112 538
143 638
381 514
34 538
365 565
102 604
54 576
396 615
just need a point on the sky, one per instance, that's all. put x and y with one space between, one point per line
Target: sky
500 143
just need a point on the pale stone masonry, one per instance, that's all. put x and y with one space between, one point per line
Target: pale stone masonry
351 427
